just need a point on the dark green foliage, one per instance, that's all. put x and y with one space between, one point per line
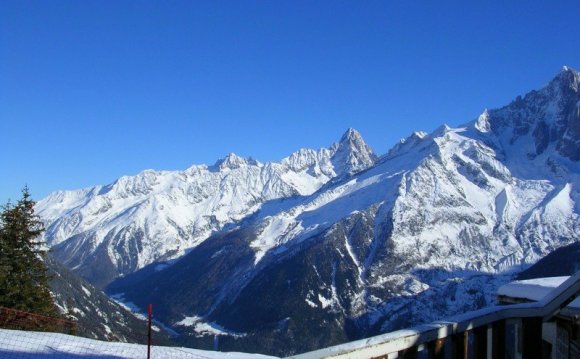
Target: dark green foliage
23 277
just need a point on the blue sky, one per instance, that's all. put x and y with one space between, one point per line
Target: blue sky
92 90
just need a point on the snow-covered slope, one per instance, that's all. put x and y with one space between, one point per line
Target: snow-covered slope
106 231
416 237
21 344
96 315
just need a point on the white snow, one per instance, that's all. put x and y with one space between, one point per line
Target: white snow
201 327
171 212
482 123
311 303
78 311
325 302
23 344
130 306
534 289
87 292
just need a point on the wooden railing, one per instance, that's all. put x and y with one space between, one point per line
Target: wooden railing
479 334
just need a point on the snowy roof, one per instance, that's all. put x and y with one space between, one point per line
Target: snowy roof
534 289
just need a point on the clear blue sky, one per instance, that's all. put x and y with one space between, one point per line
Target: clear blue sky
92 90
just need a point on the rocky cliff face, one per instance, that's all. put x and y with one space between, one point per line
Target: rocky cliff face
546 118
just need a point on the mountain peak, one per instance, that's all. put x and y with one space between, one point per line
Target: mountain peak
353 139
482 123
353 154
567 78
568 69
351 135
406 143
541 119
233 161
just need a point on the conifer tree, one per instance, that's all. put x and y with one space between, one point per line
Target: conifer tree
23 274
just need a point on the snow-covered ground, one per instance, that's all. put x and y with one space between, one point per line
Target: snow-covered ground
16 344
201 327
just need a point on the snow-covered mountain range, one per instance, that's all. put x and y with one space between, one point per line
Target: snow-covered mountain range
331 245
106 231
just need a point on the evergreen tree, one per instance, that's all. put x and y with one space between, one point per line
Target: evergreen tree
23 274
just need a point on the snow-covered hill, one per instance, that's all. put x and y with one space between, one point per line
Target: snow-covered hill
107 231
429 231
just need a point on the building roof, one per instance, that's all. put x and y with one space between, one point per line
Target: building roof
535 290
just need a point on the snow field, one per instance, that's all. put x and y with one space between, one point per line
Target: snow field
15 344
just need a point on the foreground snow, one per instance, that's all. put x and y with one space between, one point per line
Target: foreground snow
15 344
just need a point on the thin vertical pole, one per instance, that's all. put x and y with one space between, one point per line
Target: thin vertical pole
150 312
489 349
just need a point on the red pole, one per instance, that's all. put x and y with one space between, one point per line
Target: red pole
150 311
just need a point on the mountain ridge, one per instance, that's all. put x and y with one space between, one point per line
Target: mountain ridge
159 215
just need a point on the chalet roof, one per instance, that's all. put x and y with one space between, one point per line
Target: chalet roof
535 290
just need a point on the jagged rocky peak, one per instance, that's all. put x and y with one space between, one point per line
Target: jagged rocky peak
542 119
353 154
351 136
419 134
569 77
233 161
306 158
406 143
124 186
482 123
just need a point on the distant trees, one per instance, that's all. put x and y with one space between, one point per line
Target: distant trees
23 274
